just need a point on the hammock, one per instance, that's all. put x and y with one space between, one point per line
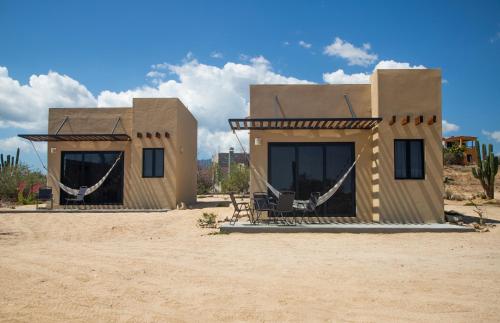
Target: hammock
321 199
73 191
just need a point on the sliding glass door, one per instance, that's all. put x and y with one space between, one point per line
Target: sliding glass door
85 168
315 167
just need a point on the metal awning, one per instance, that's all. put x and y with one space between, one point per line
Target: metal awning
77 137
303 123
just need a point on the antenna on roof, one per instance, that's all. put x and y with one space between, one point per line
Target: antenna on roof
279 105
346 97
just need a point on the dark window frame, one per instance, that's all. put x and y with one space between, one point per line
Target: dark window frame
408 159
121 189
153 164
323 145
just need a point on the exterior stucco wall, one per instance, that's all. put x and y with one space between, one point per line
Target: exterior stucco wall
309 101
187 157
379 197
147 115
413 93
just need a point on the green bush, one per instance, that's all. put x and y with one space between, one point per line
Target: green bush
237 180
453 155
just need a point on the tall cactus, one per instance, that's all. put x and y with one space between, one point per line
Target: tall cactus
486 170
10 162
17 157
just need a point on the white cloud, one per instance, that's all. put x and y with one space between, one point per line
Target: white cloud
286 43
339 77
390 64
207 91
304 44
25 106
216 55
444 81
354 55
449 127
493 135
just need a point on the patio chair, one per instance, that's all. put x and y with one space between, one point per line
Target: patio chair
44 194
80 197
260 205
284 206
239 207
308 206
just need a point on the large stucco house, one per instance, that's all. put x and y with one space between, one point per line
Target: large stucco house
303 138
153 144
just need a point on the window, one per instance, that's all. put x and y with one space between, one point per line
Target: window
409 159
152 162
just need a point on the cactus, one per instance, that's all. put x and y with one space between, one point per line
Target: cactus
10 161
17 157
486 170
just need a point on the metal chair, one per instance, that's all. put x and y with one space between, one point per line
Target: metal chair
44 194
260 205
80 197
308 207
238 208
284 206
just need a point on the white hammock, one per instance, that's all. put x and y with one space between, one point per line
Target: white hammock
90 190
323 198
73 191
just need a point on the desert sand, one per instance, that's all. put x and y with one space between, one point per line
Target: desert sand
162 267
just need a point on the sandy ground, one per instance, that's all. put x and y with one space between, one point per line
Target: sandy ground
162 267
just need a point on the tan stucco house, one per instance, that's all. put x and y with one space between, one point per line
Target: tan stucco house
304 137
154 142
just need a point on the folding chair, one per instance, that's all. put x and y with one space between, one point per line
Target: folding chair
44 194
284 206
238 208
80 197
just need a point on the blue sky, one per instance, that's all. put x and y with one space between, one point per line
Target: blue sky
84 53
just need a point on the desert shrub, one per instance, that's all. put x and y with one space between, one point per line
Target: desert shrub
20 183
237 180
208 220
453 155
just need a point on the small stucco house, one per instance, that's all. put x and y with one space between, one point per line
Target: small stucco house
304 137
153 144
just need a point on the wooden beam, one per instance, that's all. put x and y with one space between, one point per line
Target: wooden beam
405 120
393 120
431 120
419 120
148 134
139 135
157 135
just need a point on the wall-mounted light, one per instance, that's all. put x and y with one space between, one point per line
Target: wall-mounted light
52 150
258 141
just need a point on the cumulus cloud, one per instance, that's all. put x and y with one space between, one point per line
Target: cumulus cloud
449 127
304 44
340 77
390 64
493 135
207 91
354 55
25 106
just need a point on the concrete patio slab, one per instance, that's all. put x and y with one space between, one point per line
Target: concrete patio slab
342 228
